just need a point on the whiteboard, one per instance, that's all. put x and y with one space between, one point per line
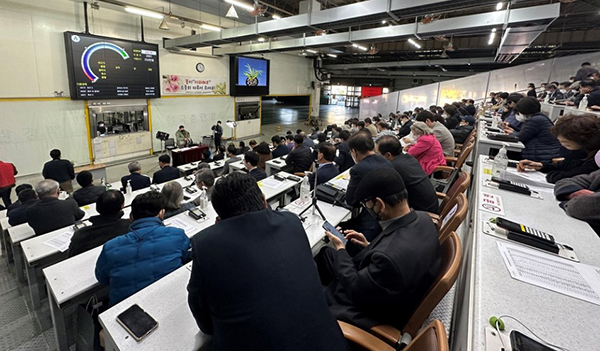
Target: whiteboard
472 87
197 114
120 144
384 104
423 96
30 129
516 78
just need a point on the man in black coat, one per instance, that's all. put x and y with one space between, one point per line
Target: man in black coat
16 214
279 145
251 164
421 193
326 169
344 160
50 213
135 178
89 193
386 281
166 172
60 170
107 225
300 157
406 124
254 285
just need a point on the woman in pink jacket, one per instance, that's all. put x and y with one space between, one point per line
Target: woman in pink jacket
427 149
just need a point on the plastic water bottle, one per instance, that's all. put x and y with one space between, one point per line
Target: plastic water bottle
305 190
128 189
500 163
583 104
203 199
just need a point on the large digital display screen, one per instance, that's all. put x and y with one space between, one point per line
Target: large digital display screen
252 72
108 68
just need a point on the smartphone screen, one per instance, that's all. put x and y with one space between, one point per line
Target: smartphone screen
137 322
521 342
328 227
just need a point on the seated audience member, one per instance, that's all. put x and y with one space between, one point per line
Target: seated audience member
584 72
421 193
427 150
510 114
371 127
553 93
289 142
242 148
565 89
220 153
60 170
18 189
440 131
137 180
501 97
465 128
108 224
166 172
148 252
308 142
280 282
580 135
50 213
16 215
300 157
360 125
406 123
89 193
540 144
264 154
386 281
326 169
580 196
251 160
531 90
231 153
343 159
470 107
172 193
451 116
204 179
314 133
384 129
280 148
252 143
589 88
205 156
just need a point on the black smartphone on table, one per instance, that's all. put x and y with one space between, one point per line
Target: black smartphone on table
137 322
330 228
521 342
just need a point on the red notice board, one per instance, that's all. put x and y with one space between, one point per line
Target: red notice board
370 91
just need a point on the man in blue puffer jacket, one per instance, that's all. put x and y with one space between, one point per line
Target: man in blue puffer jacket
540 144
132 261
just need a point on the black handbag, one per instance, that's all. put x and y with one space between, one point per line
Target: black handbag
332 195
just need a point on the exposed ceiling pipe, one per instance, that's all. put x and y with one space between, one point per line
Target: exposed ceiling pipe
413 63
276 8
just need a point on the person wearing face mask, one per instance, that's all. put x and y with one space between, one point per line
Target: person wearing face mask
451 116
499 107
388 278
531 90
509 117
427 150
580 136
405 128
565 89
580 196
553 93
589 88
540 144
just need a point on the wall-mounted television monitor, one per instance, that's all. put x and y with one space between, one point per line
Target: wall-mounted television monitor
109 68
249 76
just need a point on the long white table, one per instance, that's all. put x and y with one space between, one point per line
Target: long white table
192 166
166 299
275 165
485 287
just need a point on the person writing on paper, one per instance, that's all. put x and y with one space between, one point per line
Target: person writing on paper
182 137
107 225
254 285
148 252
386 281
580 136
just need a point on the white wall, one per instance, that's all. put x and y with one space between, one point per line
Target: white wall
33 65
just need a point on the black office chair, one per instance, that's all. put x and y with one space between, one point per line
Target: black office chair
170 144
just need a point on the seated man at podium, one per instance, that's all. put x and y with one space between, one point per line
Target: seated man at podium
182 137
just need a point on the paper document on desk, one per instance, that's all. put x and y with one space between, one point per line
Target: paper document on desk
61 242
181 224
528 178
531 266
271 183
340 182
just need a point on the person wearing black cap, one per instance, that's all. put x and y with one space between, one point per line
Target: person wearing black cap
183 137
385 282
465 128
540 144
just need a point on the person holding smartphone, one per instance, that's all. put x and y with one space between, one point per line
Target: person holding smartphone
388 278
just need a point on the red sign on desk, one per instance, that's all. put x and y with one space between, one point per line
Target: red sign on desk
491 203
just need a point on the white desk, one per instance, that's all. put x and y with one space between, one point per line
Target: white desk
237 166
191 167
275 165
485 287
279 192
166 300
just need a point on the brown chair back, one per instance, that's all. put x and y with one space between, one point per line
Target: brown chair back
451 258
463 156
451 218
363 340
431 338
461 184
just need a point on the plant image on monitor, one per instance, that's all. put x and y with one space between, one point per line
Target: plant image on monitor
252 72
252 75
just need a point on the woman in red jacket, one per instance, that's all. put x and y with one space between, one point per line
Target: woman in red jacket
427 149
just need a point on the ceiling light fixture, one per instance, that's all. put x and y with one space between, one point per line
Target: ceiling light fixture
415 44
142 12
276 16
332 55
232 13
163 25
362 48
262 40
210 27
499 6
492 36
243 5
311 51
383 22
